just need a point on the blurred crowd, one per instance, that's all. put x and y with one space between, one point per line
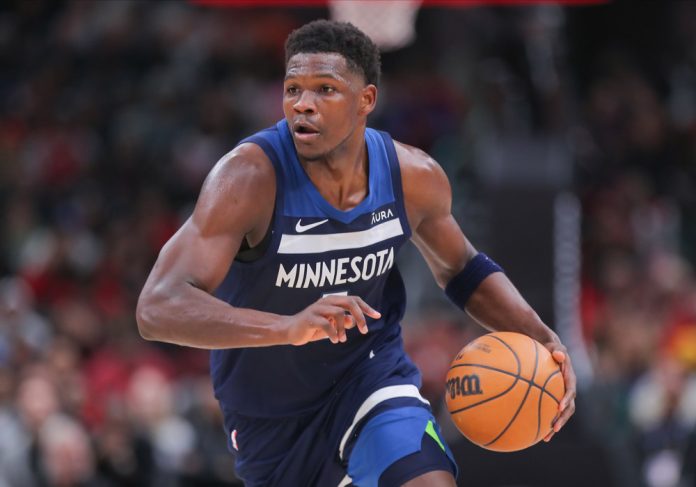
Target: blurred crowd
113 112
637 181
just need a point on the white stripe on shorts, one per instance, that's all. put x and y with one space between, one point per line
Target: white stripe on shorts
380 395
346 481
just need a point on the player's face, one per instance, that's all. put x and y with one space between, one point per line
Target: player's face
324 101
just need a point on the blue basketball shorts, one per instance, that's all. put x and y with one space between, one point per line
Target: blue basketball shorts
396 446
381 440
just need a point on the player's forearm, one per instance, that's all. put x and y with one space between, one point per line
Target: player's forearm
191 317
497 305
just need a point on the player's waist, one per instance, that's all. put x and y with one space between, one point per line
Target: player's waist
293 381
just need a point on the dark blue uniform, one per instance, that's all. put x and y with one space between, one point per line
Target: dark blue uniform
293 414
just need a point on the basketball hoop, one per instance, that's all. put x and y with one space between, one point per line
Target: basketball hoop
389 23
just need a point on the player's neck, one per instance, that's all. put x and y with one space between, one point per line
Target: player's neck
342 176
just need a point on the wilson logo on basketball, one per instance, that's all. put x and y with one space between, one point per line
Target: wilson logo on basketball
466 385
481 346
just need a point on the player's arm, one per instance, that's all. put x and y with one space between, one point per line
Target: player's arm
470 279
176 304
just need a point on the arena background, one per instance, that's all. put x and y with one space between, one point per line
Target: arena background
568 133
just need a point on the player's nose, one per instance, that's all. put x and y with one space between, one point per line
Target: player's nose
305 103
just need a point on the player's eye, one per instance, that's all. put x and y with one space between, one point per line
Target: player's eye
291 90
328 89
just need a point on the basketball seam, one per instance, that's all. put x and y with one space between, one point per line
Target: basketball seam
524 399
541 396
517 378
507 372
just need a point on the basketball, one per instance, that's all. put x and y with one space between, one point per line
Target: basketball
503 391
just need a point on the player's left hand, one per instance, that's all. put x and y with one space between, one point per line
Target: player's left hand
566 408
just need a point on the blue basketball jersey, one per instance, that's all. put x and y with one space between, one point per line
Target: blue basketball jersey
314 250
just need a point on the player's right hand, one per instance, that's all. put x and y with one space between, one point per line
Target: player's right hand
329 317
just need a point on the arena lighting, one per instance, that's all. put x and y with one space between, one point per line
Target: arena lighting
424 3
391 24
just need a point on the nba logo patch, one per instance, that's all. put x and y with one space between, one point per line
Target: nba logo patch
233 437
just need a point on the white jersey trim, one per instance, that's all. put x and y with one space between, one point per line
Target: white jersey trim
380 395
315 244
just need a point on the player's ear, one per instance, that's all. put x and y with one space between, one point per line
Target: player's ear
368 99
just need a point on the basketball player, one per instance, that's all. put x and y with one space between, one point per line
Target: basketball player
286 271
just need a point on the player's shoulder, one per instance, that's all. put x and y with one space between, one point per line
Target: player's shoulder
418 168
240 187
247 165
243 175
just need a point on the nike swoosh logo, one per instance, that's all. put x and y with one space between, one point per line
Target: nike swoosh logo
299 228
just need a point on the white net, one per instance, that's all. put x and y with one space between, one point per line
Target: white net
389 23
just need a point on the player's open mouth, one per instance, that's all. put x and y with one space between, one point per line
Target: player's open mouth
304 132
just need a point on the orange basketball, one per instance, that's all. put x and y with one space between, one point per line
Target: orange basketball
503 391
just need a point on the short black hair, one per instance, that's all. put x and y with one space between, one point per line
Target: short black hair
342 38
